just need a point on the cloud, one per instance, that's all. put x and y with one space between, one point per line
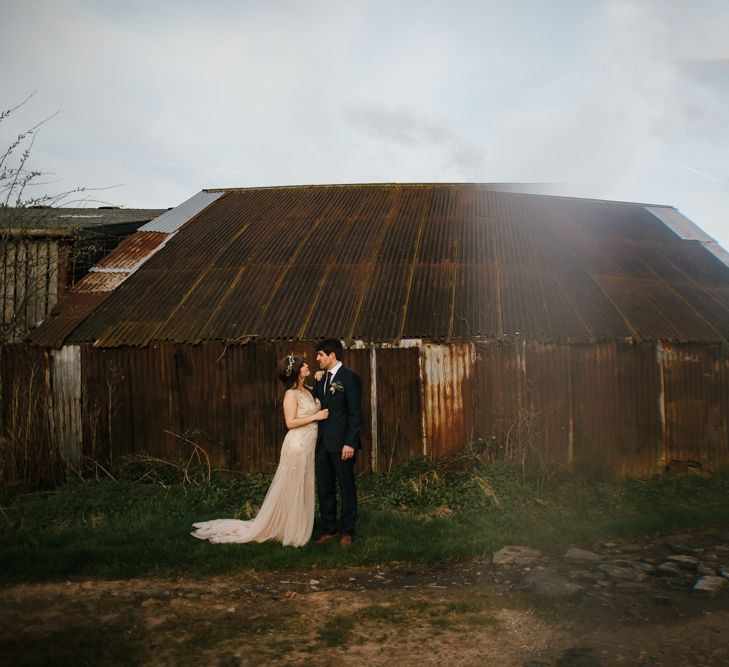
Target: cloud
624 99
406 128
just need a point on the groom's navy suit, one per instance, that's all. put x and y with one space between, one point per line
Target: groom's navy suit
342 396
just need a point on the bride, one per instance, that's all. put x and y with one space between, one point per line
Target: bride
287 513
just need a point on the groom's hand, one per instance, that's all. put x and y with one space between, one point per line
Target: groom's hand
347 452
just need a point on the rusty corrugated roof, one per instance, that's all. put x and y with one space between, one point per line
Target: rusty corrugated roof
131 252
431 261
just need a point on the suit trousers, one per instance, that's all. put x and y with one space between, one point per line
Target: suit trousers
331 472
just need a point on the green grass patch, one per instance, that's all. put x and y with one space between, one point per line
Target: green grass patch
422 511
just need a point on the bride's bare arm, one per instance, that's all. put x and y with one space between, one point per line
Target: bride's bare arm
289 408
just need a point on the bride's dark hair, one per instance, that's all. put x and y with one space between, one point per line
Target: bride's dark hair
288 370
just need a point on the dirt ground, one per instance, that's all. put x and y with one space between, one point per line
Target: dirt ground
474 613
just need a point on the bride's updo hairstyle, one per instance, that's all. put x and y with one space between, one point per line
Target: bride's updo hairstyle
288 370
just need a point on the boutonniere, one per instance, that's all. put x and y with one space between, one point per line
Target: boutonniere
336 386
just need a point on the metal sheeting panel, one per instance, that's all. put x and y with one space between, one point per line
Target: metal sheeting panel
65 369
686 229
100 282
605 218
147 399
696 263
381 311
144 308
655 310
399 406
439 262
591 405
331 315
616 392
679 223
66 317
131 252
107 405
477 306
429 310
446 377
192 312
170 221
27 406
630 408
157 420
493 399
696 405
236 316
291 301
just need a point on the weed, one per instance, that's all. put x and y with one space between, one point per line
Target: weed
336 631
391 614
463 607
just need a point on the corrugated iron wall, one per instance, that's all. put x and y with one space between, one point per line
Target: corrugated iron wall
447 387
399 406
28 453
696 387
225 399
65 379
631 408
616 407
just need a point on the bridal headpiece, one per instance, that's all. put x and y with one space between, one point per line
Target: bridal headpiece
290 367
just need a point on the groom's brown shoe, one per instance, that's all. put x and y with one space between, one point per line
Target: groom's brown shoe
345 540
327 537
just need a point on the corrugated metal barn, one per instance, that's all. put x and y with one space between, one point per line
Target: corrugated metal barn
588 332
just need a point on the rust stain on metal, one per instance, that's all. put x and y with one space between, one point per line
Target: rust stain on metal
97 281
446 371
131 251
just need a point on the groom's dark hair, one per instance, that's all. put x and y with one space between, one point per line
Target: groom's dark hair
329 346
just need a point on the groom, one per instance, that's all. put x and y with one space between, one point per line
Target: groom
340 391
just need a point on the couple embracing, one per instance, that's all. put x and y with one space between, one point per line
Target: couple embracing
324 426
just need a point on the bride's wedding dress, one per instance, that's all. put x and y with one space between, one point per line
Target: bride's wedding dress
287 513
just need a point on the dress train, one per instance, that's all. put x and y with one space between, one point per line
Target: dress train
287 513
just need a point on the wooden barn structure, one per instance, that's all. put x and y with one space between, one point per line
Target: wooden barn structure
589 332
45 250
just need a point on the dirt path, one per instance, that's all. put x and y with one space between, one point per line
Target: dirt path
471 614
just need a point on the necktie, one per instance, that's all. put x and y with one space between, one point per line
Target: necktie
327 381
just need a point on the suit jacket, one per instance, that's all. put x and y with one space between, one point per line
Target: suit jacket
343 399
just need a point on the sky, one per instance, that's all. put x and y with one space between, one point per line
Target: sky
157 100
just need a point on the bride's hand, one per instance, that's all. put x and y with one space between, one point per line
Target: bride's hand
318 375
321 415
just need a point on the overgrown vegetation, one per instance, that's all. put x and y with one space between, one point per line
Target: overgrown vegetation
422 511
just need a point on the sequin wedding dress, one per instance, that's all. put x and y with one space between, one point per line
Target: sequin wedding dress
287 513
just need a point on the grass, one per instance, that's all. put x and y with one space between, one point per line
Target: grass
422 511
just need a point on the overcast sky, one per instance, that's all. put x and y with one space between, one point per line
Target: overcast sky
615 99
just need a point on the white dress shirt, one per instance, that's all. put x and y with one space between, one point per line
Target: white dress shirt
334 370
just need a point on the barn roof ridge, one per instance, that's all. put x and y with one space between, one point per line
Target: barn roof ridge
496 185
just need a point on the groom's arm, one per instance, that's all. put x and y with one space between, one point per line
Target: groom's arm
353 391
